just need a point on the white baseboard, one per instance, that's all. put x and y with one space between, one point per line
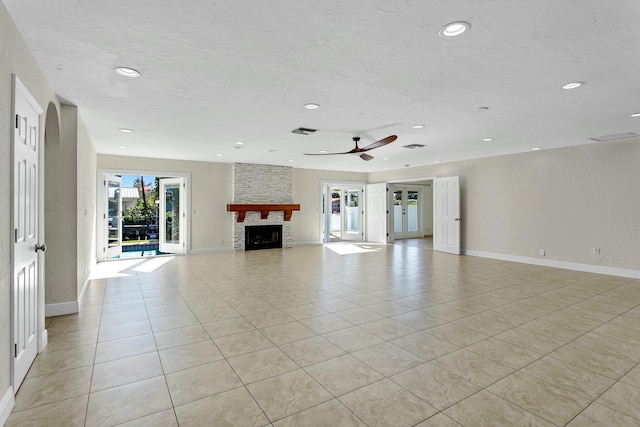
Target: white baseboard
210 251
44 340
309 243
6 405
61 308
587 268
83 291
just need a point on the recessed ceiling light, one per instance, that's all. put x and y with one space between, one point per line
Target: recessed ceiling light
127 72
125 130
437 161
219 155
454 29
311 106
535 149
385 158
290 161
573 85
323 151
239 142
417 126
487 139
123 146
635 115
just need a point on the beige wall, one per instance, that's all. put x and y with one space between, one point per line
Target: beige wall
307 224
15 58
87 160
60 207
210 193
565 201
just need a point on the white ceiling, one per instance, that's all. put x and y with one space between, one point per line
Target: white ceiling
216 72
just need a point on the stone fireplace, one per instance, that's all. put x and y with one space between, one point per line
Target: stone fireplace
261 184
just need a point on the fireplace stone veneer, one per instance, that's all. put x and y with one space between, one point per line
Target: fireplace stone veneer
261 184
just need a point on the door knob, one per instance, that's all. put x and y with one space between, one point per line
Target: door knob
41 247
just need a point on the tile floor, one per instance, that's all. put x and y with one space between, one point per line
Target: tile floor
388 336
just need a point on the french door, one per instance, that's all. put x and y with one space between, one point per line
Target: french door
351 213
172 215
407 212
342 213
112 227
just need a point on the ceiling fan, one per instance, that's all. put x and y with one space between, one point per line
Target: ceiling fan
360 152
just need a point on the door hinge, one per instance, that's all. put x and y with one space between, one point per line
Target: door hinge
184 185
104 249
15 350
16 235
387 234
105 183
17 121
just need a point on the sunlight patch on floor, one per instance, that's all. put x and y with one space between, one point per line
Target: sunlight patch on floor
153 264
349 248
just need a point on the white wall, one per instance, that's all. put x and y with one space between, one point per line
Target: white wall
566 201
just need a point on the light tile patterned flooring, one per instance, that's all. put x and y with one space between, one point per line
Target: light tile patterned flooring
399 336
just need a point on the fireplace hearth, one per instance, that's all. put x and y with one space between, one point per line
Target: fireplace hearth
262 237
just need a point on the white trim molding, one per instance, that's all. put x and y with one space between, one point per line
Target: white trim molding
210 251
6 405
587 268
61 308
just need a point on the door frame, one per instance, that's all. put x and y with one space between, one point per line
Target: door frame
41 332
100 205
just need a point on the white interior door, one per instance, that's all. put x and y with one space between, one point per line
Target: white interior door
27 248
446 214
352 213
113 216
172 215
376 212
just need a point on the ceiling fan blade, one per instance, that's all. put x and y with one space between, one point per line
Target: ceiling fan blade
382 142
325 154
365 156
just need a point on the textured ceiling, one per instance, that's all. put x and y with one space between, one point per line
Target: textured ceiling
216 72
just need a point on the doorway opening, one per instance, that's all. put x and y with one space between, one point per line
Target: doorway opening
342 212
144 214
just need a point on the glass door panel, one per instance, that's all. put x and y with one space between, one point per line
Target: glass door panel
351 213
172 215
398 212
412 211
113 216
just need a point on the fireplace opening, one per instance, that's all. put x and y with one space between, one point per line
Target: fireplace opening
262 237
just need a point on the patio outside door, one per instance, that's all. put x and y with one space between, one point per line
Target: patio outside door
113 216
172 215
352 213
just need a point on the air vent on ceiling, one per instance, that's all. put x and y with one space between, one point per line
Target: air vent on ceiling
303 131
615 136
413 146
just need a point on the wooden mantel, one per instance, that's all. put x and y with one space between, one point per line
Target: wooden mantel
241 210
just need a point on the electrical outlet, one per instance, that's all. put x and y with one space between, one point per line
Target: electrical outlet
596 251
541 252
